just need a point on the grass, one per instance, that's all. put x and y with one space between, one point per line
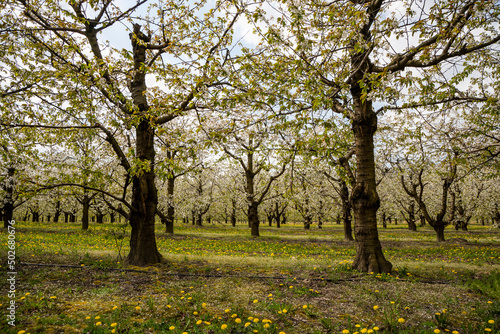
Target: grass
218 279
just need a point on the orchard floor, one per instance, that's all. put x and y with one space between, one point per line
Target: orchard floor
217 279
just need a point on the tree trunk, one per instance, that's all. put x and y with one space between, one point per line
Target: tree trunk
346 211
384 220
439 228
85 212
411 225
57 212
100 218
169 223
66 217
36 217
411 217
422 220
8 213
348 228
233 218
307 221
253 219
364 198
199 219
111 217
8 200
143 249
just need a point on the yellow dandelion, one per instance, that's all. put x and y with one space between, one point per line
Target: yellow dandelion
375 307
491 322
227 310
256 320
199 322
171 328
487 329
401 320
304 307
98 323
97 318
114 324
255 301
345 331
115 307
137 308
437 331
224 326
195 313
247 324
21 332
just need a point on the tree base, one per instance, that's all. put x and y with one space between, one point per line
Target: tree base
141 259
371 262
